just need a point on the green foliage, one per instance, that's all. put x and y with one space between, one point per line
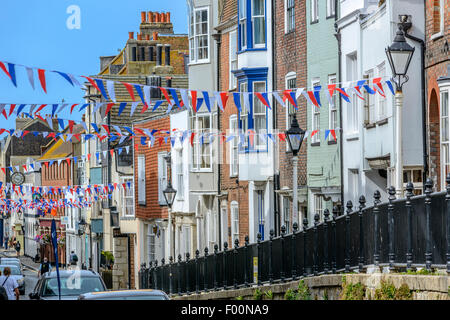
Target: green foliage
269 295
325 295
421 272
388 291
108 255
303 291
257 294
240 298
290 295
352 291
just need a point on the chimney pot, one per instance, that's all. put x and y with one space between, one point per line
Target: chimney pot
139 36
155 35
157 17
143 16
150 17
147 37
131 35
168 17
163 17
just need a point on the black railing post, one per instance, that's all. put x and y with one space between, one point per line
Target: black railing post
216 248
187 273
236 246
283 234
155 270
225 249
305 226
326 217
179 274
362 205
246 261
163 261
376 254
197 280
271 233
205 270
347 235
258 248
428 252
170 275
391 227
294 253
447 200
333 246
409 194
150 276
315 243
141 277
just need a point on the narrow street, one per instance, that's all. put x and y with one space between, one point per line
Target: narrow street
30 282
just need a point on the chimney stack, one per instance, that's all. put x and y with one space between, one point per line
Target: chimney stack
150 17
131 35
143 16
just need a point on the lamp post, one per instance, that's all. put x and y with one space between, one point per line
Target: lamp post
295 136
169 194
399 55
81 230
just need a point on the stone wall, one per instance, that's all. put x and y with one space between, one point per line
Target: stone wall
120 268
329 287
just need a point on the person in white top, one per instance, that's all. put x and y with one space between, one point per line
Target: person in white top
10 284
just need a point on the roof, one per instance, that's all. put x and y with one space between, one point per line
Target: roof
68 273
60 148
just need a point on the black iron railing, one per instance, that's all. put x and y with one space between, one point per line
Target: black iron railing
402 233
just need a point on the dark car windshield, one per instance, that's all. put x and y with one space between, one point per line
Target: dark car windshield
15 271
72 286
140 297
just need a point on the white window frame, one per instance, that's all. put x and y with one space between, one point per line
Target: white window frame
254 17
318 208
243 24
197 148
289 16
194 38
151 243
381 101
162 177
444 141
333 116
244 115
180 175
233 59
408 176
314 10
315 120
259 142
127 193
441 23
353 107
234 146
370 101
289 107
224 220
331 9
141 179
286 213
186 230
234 211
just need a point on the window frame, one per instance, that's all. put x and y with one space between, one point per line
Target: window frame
233 80
315 113
438 34
246 21
162 175
291 76
196 150
331 9
180 175
124 197
234 212
193 38
380 99
289 16
234 146
444 144
286 213
332 79
318 206
141 181
314 11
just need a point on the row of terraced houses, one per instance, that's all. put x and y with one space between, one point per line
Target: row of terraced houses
233 189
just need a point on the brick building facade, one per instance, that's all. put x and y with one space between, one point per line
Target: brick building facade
437 27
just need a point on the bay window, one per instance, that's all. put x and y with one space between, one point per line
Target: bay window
199 35
252 24
258 22
243 24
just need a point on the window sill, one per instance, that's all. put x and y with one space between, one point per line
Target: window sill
314 21
437 36
382 122
352 136
315 144
142 204
128 218
332 142
202 170
332 16
292 31
369 125
252 49
198 62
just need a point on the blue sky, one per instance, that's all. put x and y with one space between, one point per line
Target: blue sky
34 33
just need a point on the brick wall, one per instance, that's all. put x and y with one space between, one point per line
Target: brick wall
436 61
152 209
290 56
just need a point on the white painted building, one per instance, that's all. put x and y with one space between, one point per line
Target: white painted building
366 29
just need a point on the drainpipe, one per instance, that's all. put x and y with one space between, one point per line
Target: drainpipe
341 144
276 177
217 37
406 27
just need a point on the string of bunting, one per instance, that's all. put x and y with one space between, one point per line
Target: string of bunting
171 95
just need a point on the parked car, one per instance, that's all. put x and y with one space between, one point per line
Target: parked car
17 274
73 283
11 262
146 294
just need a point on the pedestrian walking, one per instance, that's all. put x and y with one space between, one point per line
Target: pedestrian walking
3 294
18 248
73 258
44 267
10 284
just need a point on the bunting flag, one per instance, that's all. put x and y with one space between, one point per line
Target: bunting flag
121 107
237 101
65 76
3 67
30 75
140 93
110 86
101 87
207 101
41 75
379 87
12 73
108 108
263 98
194 100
